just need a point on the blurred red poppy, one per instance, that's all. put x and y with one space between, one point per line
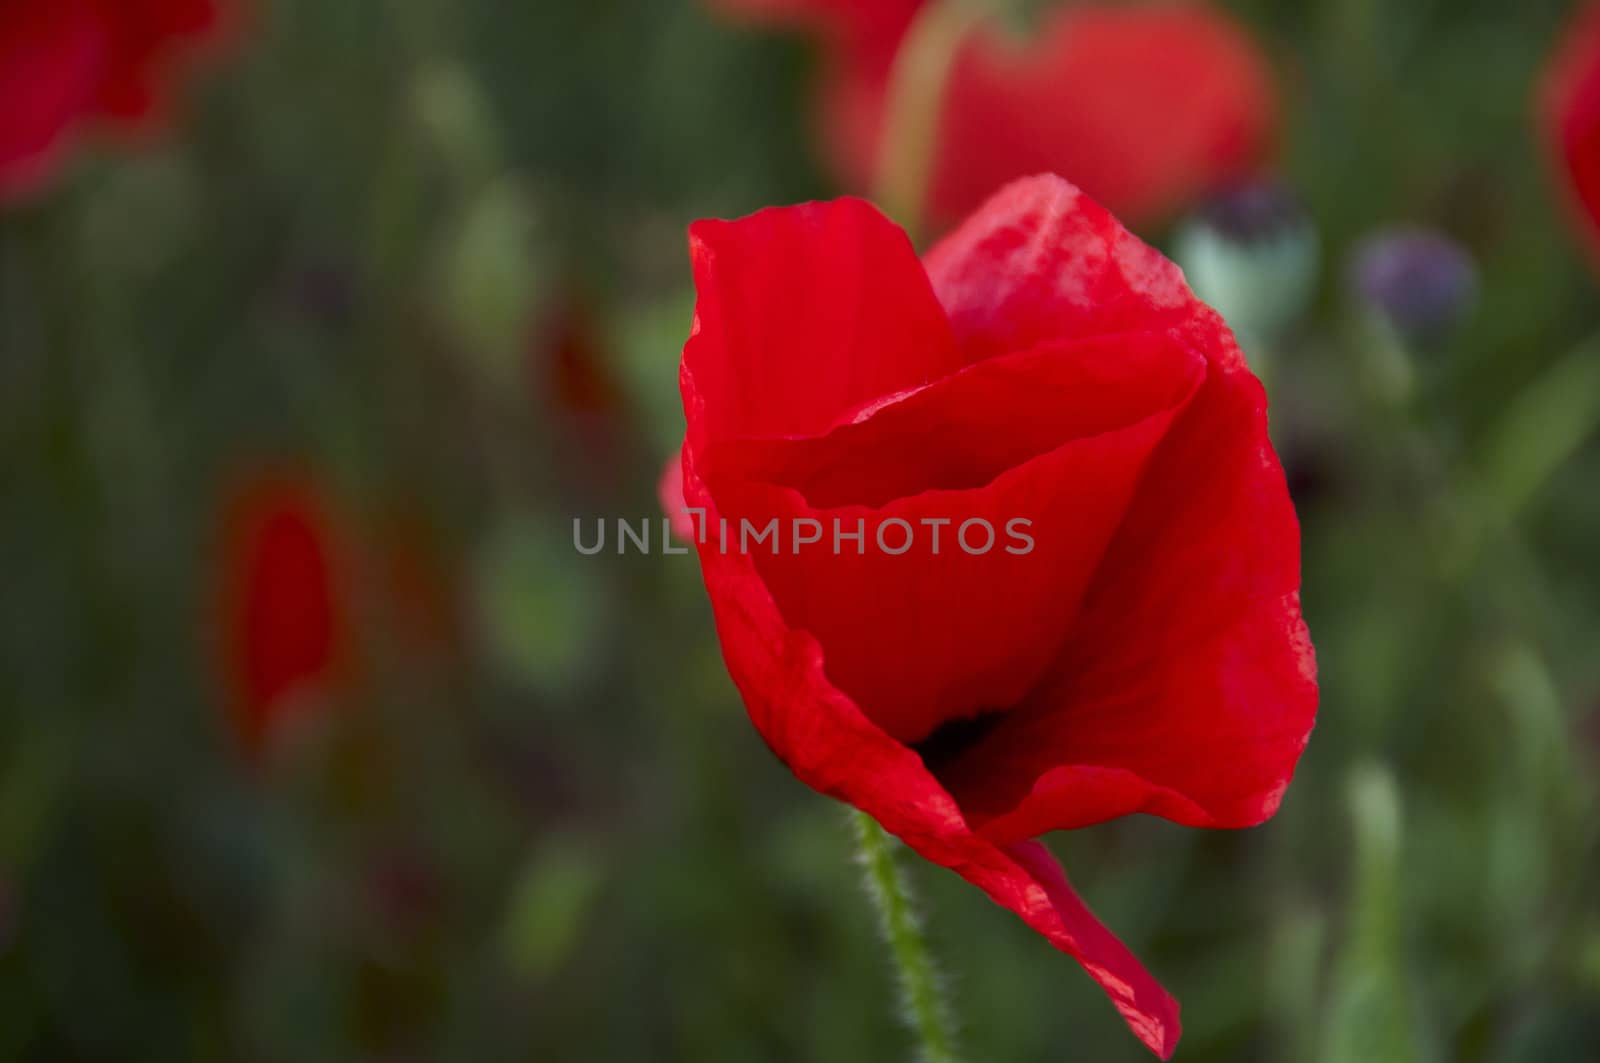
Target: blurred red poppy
869 30
570 361
410 578
669 492
67 62
574 376
1146 106
1143 652
285 610
1569 115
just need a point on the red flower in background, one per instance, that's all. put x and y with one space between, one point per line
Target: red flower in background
285 606
570 358
869 30
1569 114
298 578
66 62
1147 656
574 376
1146 107
669 492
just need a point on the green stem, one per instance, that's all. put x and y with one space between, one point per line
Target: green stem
927 1012
1538 431
915 101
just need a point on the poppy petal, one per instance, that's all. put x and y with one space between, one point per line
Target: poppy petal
1145 107
1569 114
1079 376
941 610
831 746
1042 262
867 30
1187 686
50 58
806 313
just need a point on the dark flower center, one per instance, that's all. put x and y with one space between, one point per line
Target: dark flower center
954 737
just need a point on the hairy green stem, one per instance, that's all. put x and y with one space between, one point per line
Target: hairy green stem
927 1012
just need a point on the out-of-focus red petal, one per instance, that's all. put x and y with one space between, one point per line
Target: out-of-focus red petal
670 493
283 600
923 622
570 361
1569 117
830 745
804 314
144 36
50 59
849 118
1145 106
1187 685
867 30
65 61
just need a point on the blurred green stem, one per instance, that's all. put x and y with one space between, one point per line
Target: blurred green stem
926 1009
916 98
1540 429
1537 432
1370 1012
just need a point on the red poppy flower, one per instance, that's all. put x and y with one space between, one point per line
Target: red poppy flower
568 358
573 374
669 492
870 30
1145 653
1569 113
284 605
1146 107
66 61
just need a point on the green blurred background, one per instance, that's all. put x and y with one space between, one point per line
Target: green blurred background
433 253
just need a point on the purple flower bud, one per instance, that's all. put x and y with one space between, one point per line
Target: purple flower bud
1252 212
1420 281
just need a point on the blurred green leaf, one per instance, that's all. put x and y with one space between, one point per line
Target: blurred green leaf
539 613
549 906
489 279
